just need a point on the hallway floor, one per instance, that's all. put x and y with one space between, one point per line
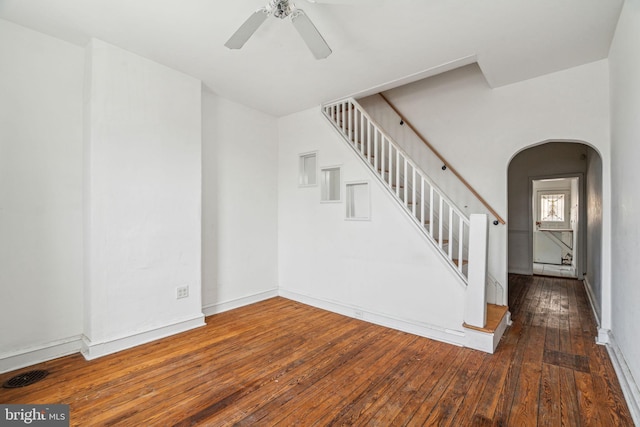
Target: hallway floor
560 375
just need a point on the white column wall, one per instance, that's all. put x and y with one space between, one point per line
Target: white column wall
143 200
625 231
40 196
240 204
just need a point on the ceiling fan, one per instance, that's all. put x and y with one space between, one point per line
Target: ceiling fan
282 9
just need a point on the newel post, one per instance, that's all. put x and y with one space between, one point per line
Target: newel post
475 311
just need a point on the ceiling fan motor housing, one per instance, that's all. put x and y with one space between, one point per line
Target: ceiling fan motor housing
281 8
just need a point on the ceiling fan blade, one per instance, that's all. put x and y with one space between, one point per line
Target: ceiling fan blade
310 34
246 30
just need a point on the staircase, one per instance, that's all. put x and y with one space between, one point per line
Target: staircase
436 216
434 213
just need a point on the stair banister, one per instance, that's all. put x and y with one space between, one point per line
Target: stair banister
348 114
346 126
445 162
399 151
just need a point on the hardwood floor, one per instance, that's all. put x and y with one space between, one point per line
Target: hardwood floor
281 362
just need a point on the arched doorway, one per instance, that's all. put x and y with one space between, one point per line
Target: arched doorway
545 163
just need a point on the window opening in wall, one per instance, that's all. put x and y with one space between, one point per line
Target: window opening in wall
358 206
330 184
308 170
552 207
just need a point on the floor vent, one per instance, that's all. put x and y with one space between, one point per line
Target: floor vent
24 379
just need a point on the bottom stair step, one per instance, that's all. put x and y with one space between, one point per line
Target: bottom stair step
495 313
486 339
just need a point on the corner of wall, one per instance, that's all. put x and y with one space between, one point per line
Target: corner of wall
92 350
41 353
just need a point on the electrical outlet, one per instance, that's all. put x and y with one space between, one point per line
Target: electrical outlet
182 292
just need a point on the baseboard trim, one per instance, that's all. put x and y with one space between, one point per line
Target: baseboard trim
38 354
627 382
92 350
592 300
449 336
221 307
603 334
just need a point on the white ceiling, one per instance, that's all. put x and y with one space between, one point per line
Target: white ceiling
373 42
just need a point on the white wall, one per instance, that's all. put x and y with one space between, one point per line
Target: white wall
40 196
143 193
383 269
625 155
479 129
240 204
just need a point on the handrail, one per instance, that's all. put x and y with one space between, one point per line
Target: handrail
447 164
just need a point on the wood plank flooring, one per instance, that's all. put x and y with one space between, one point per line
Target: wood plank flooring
279 362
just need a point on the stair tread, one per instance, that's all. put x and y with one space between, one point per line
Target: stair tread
367 155
495 314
